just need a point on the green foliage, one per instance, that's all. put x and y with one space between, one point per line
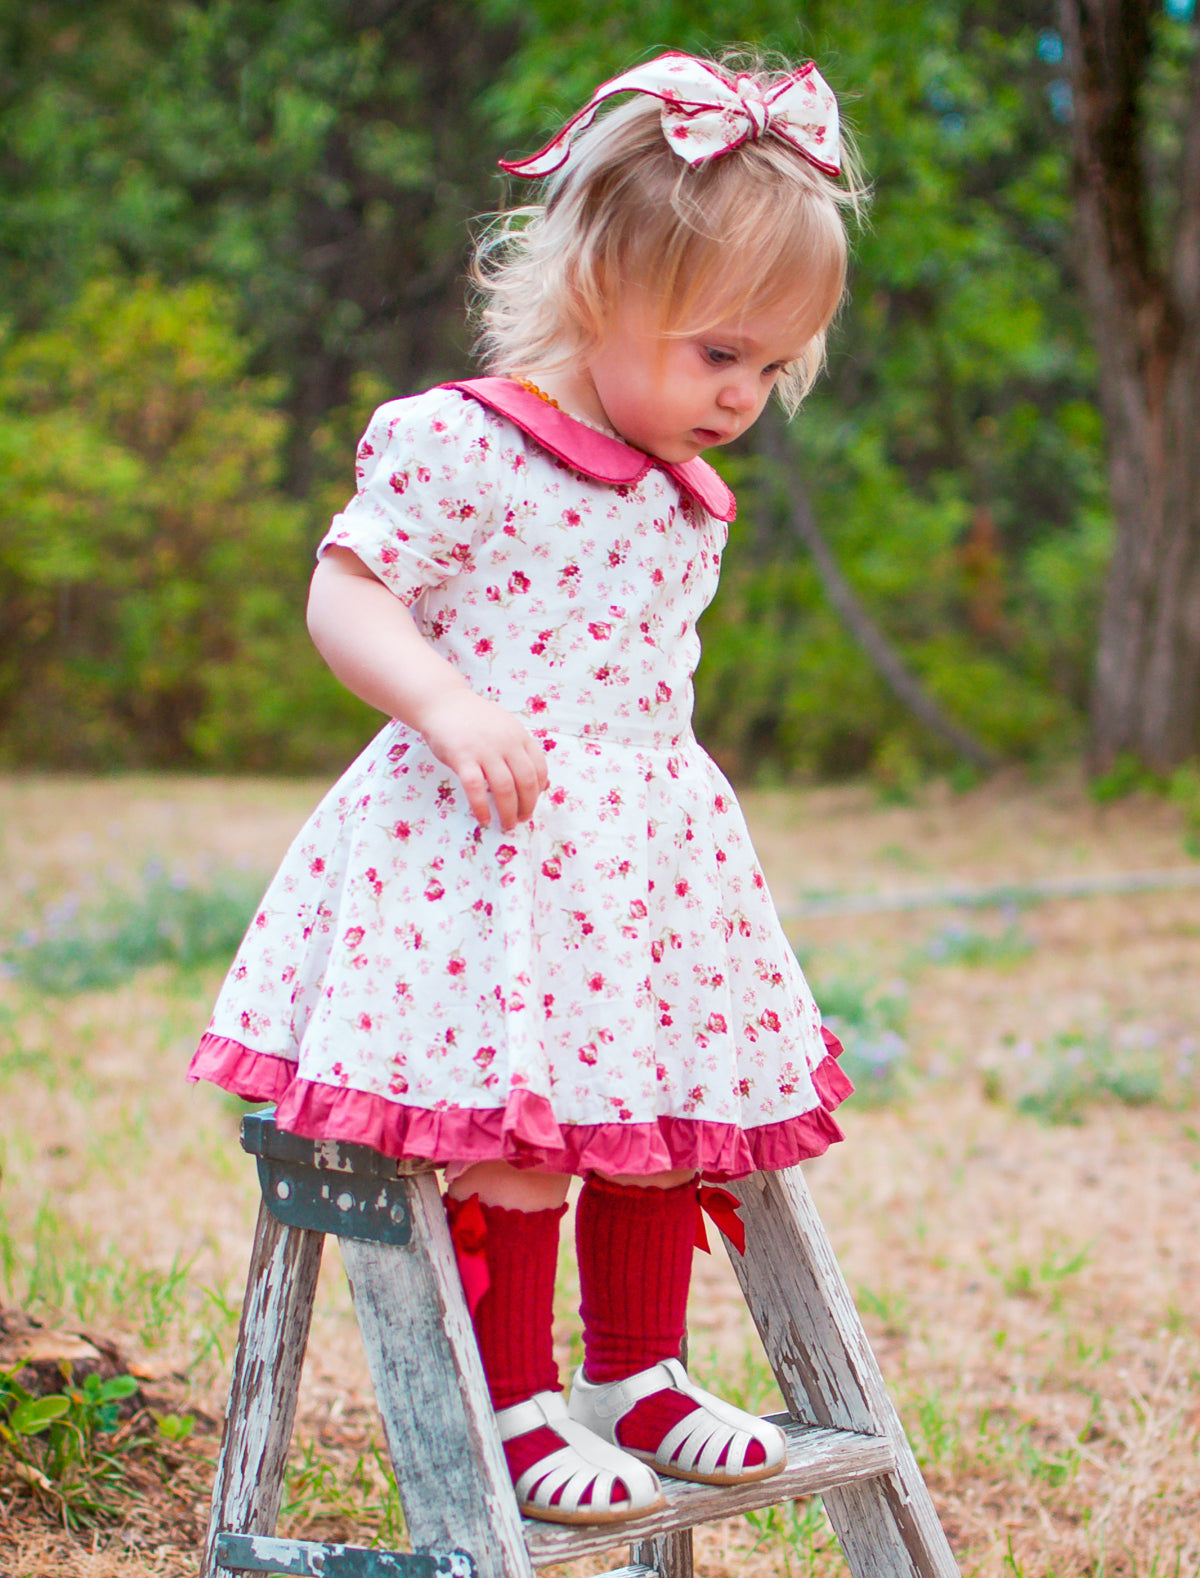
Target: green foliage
68 1447
151 572
954 455
1184 789
318 160
170 919
230 229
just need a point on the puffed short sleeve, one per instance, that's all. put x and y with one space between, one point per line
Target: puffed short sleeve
430 482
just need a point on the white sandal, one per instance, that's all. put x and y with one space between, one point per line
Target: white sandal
584 1463
709 1445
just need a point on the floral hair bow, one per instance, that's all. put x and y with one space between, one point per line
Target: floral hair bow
706 113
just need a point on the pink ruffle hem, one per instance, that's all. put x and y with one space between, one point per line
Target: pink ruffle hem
525 1132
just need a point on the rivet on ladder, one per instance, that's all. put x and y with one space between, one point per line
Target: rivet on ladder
283 1189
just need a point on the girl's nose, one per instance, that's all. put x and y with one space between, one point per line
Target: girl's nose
739 394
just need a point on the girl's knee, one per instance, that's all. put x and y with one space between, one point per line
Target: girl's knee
511 1188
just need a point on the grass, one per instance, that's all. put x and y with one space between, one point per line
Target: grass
1016 1205
78 947
870 1019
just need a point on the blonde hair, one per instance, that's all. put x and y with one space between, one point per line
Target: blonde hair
752 229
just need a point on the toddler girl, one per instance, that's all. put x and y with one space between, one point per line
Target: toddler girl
525 936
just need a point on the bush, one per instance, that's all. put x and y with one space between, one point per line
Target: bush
152 572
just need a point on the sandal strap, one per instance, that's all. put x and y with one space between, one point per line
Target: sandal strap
584 1462
543 1408
697 1441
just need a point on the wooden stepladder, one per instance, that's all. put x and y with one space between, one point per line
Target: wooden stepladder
845 1441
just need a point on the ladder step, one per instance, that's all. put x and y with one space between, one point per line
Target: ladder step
817 1460
630 1572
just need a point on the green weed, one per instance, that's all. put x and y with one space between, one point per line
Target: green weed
68 1447
1044 1278
319 1491
1126 776
169 919
870 1019
1184 789
967 945
802 1533
936 1436
889 1309
1079 1072
60 1268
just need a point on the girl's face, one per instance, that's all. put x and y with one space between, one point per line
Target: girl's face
674 396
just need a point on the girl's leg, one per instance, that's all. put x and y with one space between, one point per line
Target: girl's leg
584 1481
635 1238
522 1213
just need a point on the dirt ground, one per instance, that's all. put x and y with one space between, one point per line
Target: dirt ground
1015 1207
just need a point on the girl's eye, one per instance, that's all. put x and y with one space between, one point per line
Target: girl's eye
718 357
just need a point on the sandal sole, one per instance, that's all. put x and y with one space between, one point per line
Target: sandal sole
587 1515
749 1477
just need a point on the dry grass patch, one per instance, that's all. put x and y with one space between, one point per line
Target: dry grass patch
1016 1206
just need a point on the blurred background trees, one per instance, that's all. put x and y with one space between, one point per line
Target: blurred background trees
230 228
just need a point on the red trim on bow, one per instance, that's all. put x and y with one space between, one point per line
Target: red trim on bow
723 1207
468 1233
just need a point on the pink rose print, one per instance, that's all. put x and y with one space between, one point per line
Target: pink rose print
640 941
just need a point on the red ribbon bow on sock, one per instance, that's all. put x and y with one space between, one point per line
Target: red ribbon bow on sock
723 1207
468 1233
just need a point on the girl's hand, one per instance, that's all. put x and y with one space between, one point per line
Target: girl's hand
370 641
489 750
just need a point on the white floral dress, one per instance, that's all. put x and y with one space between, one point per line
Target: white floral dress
607 985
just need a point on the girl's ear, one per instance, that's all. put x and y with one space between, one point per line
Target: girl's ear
585 292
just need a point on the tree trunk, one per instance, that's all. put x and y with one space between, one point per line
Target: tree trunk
1145 317
884 657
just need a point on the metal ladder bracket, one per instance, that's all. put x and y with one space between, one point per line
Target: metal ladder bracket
327 1186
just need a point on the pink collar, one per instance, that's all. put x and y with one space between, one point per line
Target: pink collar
594 454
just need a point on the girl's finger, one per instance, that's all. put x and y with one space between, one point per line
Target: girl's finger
505 793
475 787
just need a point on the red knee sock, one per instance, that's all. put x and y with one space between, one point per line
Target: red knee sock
635 1267
514 1319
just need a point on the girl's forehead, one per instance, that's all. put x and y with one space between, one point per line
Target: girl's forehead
782 321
